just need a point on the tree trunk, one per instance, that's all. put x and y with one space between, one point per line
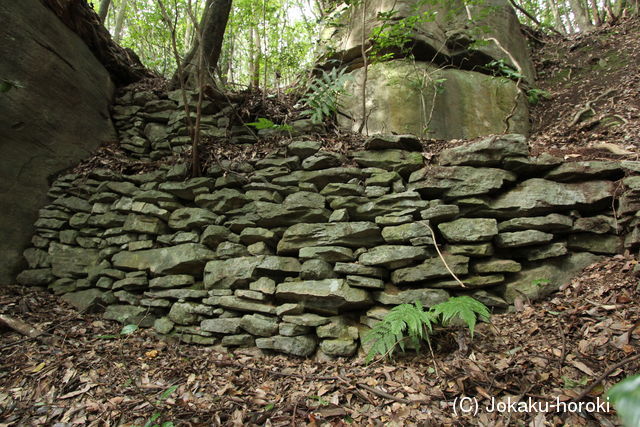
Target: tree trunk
212 25
558 24
597 20
255 58
122 12
104 9
581 15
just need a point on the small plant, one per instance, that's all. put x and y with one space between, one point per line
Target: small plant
263 123
501 68
534 96
625 397
411 322
126 330
322 97
540 282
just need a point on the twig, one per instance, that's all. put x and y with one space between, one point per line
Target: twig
563 355
435 243
588 106
20 326
385 394
515 105
603 376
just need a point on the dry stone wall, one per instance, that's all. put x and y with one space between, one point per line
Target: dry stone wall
296 252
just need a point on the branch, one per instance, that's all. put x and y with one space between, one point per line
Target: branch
19 326
603 376
435 243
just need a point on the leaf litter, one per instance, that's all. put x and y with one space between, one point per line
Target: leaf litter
555 348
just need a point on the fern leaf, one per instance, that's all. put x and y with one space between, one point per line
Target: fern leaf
465 308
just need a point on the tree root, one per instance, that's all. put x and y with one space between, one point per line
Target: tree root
588 108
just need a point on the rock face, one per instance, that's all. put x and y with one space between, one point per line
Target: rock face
54 114
419 96
462 104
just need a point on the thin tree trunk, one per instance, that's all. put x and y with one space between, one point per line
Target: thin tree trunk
597 20
255 58
581 15
122 12
104 10
558 24
212 28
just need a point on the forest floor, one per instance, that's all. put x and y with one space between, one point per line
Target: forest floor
570 347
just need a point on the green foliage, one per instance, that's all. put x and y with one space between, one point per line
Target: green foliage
625 397
7 85
410 322
534 96
323 92
540 282
263 123
126 330
464 308
395 34
569 383
501 68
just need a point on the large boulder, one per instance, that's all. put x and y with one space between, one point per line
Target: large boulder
55 112
431 102
445 34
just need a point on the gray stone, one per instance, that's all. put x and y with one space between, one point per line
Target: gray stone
517 239
350 234
35 277
432 268
278 215
189 313
303 149
303 345
306 319
88 300
359 269
405 232
383 179
406 203
439 213
541 280
292 330
316 269
257 324
539 197
264 285
222 201
585 171
459 181
228 250
365 282
181 294
487 152
252 235
163 325
326 253
393 256
191 218
600 224
469 230
144 224
596 243
221 326
185 258
250 294
401 161
304 199
393 220
128 314
339 215
497 266
186 189
240 340
238 304
427 297
131 283
550 223
547 251
341 189
323 160
69 261
289 308
327 296
213 235
339 347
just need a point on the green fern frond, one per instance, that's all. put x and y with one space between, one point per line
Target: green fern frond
464 307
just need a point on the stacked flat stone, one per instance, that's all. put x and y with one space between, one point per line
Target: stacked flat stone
296 252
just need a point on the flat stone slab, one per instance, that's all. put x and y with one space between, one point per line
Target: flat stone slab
349 234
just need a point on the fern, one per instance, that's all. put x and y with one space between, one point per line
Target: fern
411 322
464 308
322 96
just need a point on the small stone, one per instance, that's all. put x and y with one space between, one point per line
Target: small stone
477 250
339 347
303 345
360 270
517 239
249 294
163 325
497 266
326 253
339 215
598 244
432 268
257 324
291 330
316 269
306 319
393 256
469 230
365 282
221 326
289 308
239 340
264 285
